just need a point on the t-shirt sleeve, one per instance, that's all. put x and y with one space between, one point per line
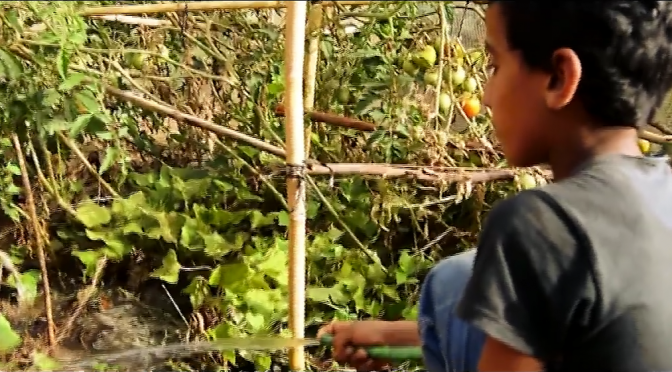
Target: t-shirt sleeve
529 277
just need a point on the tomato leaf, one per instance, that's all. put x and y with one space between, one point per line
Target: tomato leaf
93 215
169 272
72 81
9 339
80 124
111 155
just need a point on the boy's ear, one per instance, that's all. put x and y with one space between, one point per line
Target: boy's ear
564 79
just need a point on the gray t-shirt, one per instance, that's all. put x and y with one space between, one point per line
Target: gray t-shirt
579 273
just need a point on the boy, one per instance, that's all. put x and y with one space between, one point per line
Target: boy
572 276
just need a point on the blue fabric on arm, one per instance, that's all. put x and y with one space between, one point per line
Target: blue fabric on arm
449 343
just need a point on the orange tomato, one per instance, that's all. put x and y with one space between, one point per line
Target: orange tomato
471 107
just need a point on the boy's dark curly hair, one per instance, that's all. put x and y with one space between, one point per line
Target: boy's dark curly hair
625 48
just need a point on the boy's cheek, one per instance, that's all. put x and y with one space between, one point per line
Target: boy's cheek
486 93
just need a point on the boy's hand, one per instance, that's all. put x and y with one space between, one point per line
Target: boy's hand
350 337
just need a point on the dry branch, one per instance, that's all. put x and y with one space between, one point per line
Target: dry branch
201 123
6 262
32 213
199 6
333 119
73 147
431 174
86 295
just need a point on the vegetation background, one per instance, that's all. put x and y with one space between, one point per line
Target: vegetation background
140 181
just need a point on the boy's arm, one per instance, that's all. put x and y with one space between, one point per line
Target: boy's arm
497 357
530 276
403 332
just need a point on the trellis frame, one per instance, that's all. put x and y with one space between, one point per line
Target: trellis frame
295 37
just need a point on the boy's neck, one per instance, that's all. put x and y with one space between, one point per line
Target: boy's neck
573 151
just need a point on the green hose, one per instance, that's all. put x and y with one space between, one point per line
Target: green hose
384 352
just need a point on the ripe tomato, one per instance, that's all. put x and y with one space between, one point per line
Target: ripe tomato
471 107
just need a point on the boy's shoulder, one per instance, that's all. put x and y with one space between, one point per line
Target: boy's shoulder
606 197
624 190
597 248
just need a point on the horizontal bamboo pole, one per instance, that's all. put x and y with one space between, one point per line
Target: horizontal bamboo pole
131 20
389 171
199 6
333 119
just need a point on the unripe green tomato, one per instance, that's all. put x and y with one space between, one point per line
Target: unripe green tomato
445 101
431 78
137 60
437 45
527 181
470 85
343 95
425 58
458 76
410 68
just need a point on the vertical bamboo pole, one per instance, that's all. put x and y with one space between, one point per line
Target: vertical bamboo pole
314 31
295 35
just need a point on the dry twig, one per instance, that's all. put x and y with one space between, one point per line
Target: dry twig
6 262
194 120
72 146
83 300
32 212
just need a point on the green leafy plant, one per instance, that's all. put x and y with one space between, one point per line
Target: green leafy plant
119 187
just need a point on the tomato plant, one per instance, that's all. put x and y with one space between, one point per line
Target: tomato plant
129 197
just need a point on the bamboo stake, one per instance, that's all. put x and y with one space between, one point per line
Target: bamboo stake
200 6
295 36
314 29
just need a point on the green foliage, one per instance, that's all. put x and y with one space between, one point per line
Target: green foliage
185 205
8 338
